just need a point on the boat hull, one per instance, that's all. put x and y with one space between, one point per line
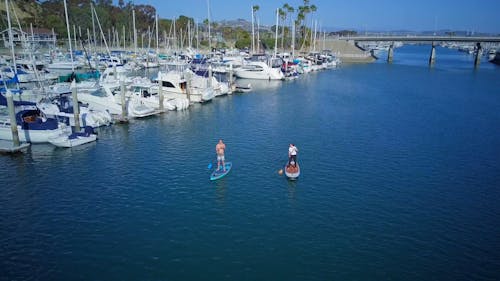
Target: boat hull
65 141
31 136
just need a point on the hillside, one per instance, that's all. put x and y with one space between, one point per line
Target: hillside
24 10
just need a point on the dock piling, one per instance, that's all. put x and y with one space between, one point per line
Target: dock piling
209 75
432 58
160 93
188 85
12 116
390 53
76 107
123 101
230 78
479 52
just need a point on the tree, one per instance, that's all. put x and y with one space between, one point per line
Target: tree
255 8
289 10
282 16
302 19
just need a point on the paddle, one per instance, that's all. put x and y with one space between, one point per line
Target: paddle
209 166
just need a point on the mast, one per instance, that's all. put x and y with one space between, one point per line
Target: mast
293 40
69 37
74 36
102 33
253 33
197 37
93 25
175 38
209 37
11 38
157 43
258 36
276 34
135 31
124 46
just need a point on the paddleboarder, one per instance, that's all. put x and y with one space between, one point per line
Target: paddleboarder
219 149
292 155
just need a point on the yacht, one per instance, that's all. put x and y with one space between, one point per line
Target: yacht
258 70
58 104
107 99
496 58
175 83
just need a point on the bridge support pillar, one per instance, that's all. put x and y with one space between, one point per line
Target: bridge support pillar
432 58
390 53
479 52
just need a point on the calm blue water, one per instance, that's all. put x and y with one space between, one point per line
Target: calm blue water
400 181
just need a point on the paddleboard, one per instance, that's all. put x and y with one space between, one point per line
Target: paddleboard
292 175
217 174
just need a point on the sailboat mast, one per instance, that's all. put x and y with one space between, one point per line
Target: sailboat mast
69 36
209 37
157 43
253 33
93 25
135 31
11 37
276 34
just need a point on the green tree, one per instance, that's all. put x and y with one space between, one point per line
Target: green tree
255 8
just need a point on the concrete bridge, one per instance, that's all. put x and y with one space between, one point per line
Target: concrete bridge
427 39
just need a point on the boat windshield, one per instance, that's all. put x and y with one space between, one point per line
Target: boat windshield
99 93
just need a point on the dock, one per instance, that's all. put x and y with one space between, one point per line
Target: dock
8 147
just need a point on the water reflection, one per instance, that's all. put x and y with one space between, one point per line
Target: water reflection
260 85
220 191
291 188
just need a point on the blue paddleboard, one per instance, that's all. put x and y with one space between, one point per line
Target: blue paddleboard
217 174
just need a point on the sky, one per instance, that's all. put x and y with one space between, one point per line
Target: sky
361 15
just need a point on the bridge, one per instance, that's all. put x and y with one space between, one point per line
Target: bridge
427 39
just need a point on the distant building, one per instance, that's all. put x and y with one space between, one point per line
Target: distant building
35 37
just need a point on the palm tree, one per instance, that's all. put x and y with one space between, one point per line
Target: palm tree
290 10
255 8
301 19
302 16
282 16
313 9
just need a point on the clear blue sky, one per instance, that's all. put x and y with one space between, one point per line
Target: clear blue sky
415 15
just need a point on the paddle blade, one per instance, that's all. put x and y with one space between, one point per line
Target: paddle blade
209 166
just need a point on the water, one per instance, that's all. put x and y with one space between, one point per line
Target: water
399 181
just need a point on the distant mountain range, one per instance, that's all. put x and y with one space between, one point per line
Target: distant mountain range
246 25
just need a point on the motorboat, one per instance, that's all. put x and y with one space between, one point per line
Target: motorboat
258 70
59 104
74 139
176 83
32 126
147 92
110 100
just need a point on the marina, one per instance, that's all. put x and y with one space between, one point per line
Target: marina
397 179
110 113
